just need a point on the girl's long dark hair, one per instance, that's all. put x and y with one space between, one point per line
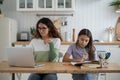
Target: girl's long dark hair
53 32
90 47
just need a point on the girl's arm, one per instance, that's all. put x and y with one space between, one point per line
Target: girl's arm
67 58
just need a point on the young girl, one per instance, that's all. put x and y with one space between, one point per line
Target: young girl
82 50
45 43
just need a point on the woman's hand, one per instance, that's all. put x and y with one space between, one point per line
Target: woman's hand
47 41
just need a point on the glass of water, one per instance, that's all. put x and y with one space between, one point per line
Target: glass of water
103 62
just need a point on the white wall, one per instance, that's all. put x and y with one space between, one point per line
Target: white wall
95 15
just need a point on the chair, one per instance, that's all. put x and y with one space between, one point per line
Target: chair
67 76
60 56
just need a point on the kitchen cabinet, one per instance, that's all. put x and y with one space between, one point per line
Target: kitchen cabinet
45 5
65 5
25 5
115 57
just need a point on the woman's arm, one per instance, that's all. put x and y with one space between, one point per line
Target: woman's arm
54 45
54 53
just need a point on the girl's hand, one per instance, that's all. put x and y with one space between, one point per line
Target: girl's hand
84 56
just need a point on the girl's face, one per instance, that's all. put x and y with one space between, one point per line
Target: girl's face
83 40
43 30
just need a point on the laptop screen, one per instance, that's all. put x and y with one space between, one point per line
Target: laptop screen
20 56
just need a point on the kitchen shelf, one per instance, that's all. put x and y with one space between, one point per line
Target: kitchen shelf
68 43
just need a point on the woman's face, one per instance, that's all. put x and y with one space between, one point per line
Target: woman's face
43 30
83 40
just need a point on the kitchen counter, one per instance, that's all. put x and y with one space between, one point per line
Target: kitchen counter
68 43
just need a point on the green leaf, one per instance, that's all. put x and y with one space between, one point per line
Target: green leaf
114 3
32 30
1 1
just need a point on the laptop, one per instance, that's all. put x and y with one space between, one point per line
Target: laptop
21 57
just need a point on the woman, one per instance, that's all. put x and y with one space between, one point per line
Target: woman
82 50
45 43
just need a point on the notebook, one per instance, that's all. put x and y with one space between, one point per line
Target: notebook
21 56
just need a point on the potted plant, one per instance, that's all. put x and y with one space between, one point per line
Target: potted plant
1 2
32 30
115 3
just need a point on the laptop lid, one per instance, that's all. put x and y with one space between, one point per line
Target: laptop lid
20 56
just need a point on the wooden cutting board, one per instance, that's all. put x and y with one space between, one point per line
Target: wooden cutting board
57 23
117 32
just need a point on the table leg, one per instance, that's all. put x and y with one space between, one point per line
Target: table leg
13 76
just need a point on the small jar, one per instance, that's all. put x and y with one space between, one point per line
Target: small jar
67 37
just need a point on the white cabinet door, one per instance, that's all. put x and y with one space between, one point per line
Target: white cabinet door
65 5
26 5
45 5
115 57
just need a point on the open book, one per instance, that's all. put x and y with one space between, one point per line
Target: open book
85 62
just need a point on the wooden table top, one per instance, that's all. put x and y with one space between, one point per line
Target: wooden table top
58 67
